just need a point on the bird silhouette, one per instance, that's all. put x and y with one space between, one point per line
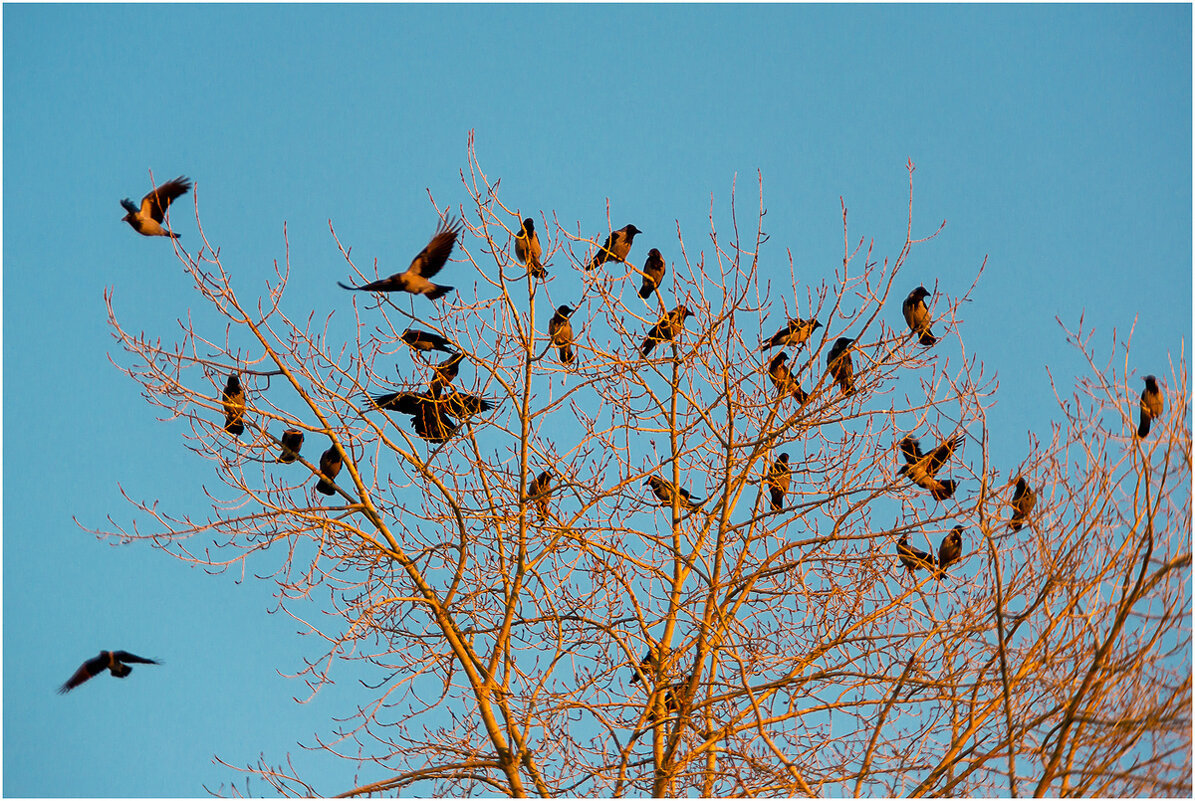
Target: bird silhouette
913 558
425 341
653 273
560 331
918 317
616 246
922 467
779 477
646 664
147 219
330 463
669 326
528 250
1023 501
839 365
1151 405
424 266
949 551
292 441
234 406
665 490
429 413
114 661
446 371
794 334
783 380
540 491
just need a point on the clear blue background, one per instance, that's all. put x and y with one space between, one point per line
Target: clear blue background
1055 140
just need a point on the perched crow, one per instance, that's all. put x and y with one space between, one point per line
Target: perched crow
783 379
528 250
560 331
234 406
446 371
1151 405
665 491
616 248
114 661
778 480
949 551
424 266
653 273
646 664
666 329
839 365
147 220
292 441
540 492
669 706
1023 501
918 317
921 467
425 341
794 334
329 464
911 557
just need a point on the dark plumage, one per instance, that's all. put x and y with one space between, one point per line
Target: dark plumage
234 406
528 250
540 491
669 705
922 467
147 219
330 463
616 247
783 380
560 331
292 442
840 366
653 273
665 490
425 341
429 413
446 371
950 551
918 317
114 661
646 664
1023 501
795 333
1151 405
913 558
462 405
424 266
666 329
779 477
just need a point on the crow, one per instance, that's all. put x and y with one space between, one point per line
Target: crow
950 551
446 371
616 247
234 406
540 491
795 333
424 266
913 558
840 367
666 329
669 706
292 441
528 250
114 661
921 467
147 220
330 463
425 341
1023 501
646 664
665 491
429 413
918 317
783 379
1151 405
653 273
560 331
778 480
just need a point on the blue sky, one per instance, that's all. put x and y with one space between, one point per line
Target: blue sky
1055 141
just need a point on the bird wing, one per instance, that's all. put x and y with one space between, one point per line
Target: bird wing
156 202
125 656
432 424
435 255
939 455
911 449
402 402
92 667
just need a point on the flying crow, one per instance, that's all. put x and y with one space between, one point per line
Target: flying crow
424 266
147 220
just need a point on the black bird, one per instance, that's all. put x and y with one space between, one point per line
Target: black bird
147 220
1151 405
670 705
653 273
329 464
292 441
666 329
795 333
783 380
425 341
839 365
424 266
913 558
616 248
918 317
778 480
528 250
921 467
461 404
646 664
949 551
540 491
560 331
234 406
429 413
1023 501
446 371
665 490
114 661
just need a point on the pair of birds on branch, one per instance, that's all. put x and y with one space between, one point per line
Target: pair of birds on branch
560 331
838 360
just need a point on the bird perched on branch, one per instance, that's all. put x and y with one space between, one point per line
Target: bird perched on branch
783 380
425 341
666 329
330 463
839 365
795 333
147 219
653 273
234 406
114 661
560 331
779 477
665 490
950 551
292 441
424 266
913 558
528 250
616 247
1023 501
922 467
446 371
540 491
918 317
1151 405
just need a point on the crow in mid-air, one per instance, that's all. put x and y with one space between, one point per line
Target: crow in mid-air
795 333
653 273
918 317
528 250
1023 501
429 413
114 661
922 467
292 441
666 329
425 341
778 480
949 551
665 490
329 464
913 558
540 491
839 365
234 406
560 331
616 248
424 266
147 220
1151 405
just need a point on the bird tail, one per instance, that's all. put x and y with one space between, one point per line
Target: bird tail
946 490
647 346
343 285
927 338
566 354
324 487
438 292
646 290
777 500
1143 429
172 235
1016 522
121 670
235 427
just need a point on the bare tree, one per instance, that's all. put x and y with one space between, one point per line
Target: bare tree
571 578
